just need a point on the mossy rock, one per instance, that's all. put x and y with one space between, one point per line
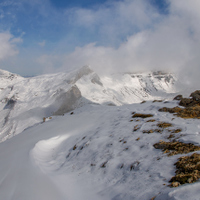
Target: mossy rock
188 170
175 147
164 125
153 131
189 112
151 120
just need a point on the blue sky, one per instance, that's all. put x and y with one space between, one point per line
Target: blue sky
58 35
52 20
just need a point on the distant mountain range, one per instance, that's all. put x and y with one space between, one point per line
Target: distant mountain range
25 102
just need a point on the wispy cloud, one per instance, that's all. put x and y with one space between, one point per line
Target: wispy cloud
42 44
8 45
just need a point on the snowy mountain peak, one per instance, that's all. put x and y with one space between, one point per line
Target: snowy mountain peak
27 101
78 74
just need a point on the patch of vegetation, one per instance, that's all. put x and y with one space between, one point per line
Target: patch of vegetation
170 110
176 130
151 120
103 165
136 127
138 139
188 112
153 131
148 131
192 106
171 136
75 147
139 115
164 125
175 147
188 170
153 198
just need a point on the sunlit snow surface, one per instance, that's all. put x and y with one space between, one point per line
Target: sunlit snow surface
62 158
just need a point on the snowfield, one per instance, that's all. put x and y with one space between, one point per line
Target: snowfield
95 154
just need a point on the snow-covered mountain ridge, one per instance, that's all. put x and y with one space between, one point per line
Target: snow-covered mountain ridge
26 101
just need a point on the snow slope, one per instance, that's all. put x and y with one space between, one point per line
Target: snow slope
95 154
25 102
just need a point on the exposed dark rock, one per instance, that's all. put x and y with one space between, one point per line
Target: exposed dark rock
195 95
103 165
159 73
192 101
178 97
96 80
141 115
10 104
85 70
67 100
186 102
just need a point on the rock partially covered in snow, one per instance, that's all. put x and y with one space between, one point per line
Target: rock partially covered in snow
68 101
84 71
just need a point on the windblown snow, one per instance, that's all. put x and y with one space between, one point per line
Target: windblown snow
70 143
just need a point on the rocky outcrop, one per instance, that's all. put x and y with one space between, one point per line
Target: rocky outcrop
67 101
195 95
96 80
178 97
192 101
10 104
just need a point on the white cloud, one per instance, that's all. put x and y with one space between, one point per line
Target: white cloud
115 19
8 45
42 44
169 42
